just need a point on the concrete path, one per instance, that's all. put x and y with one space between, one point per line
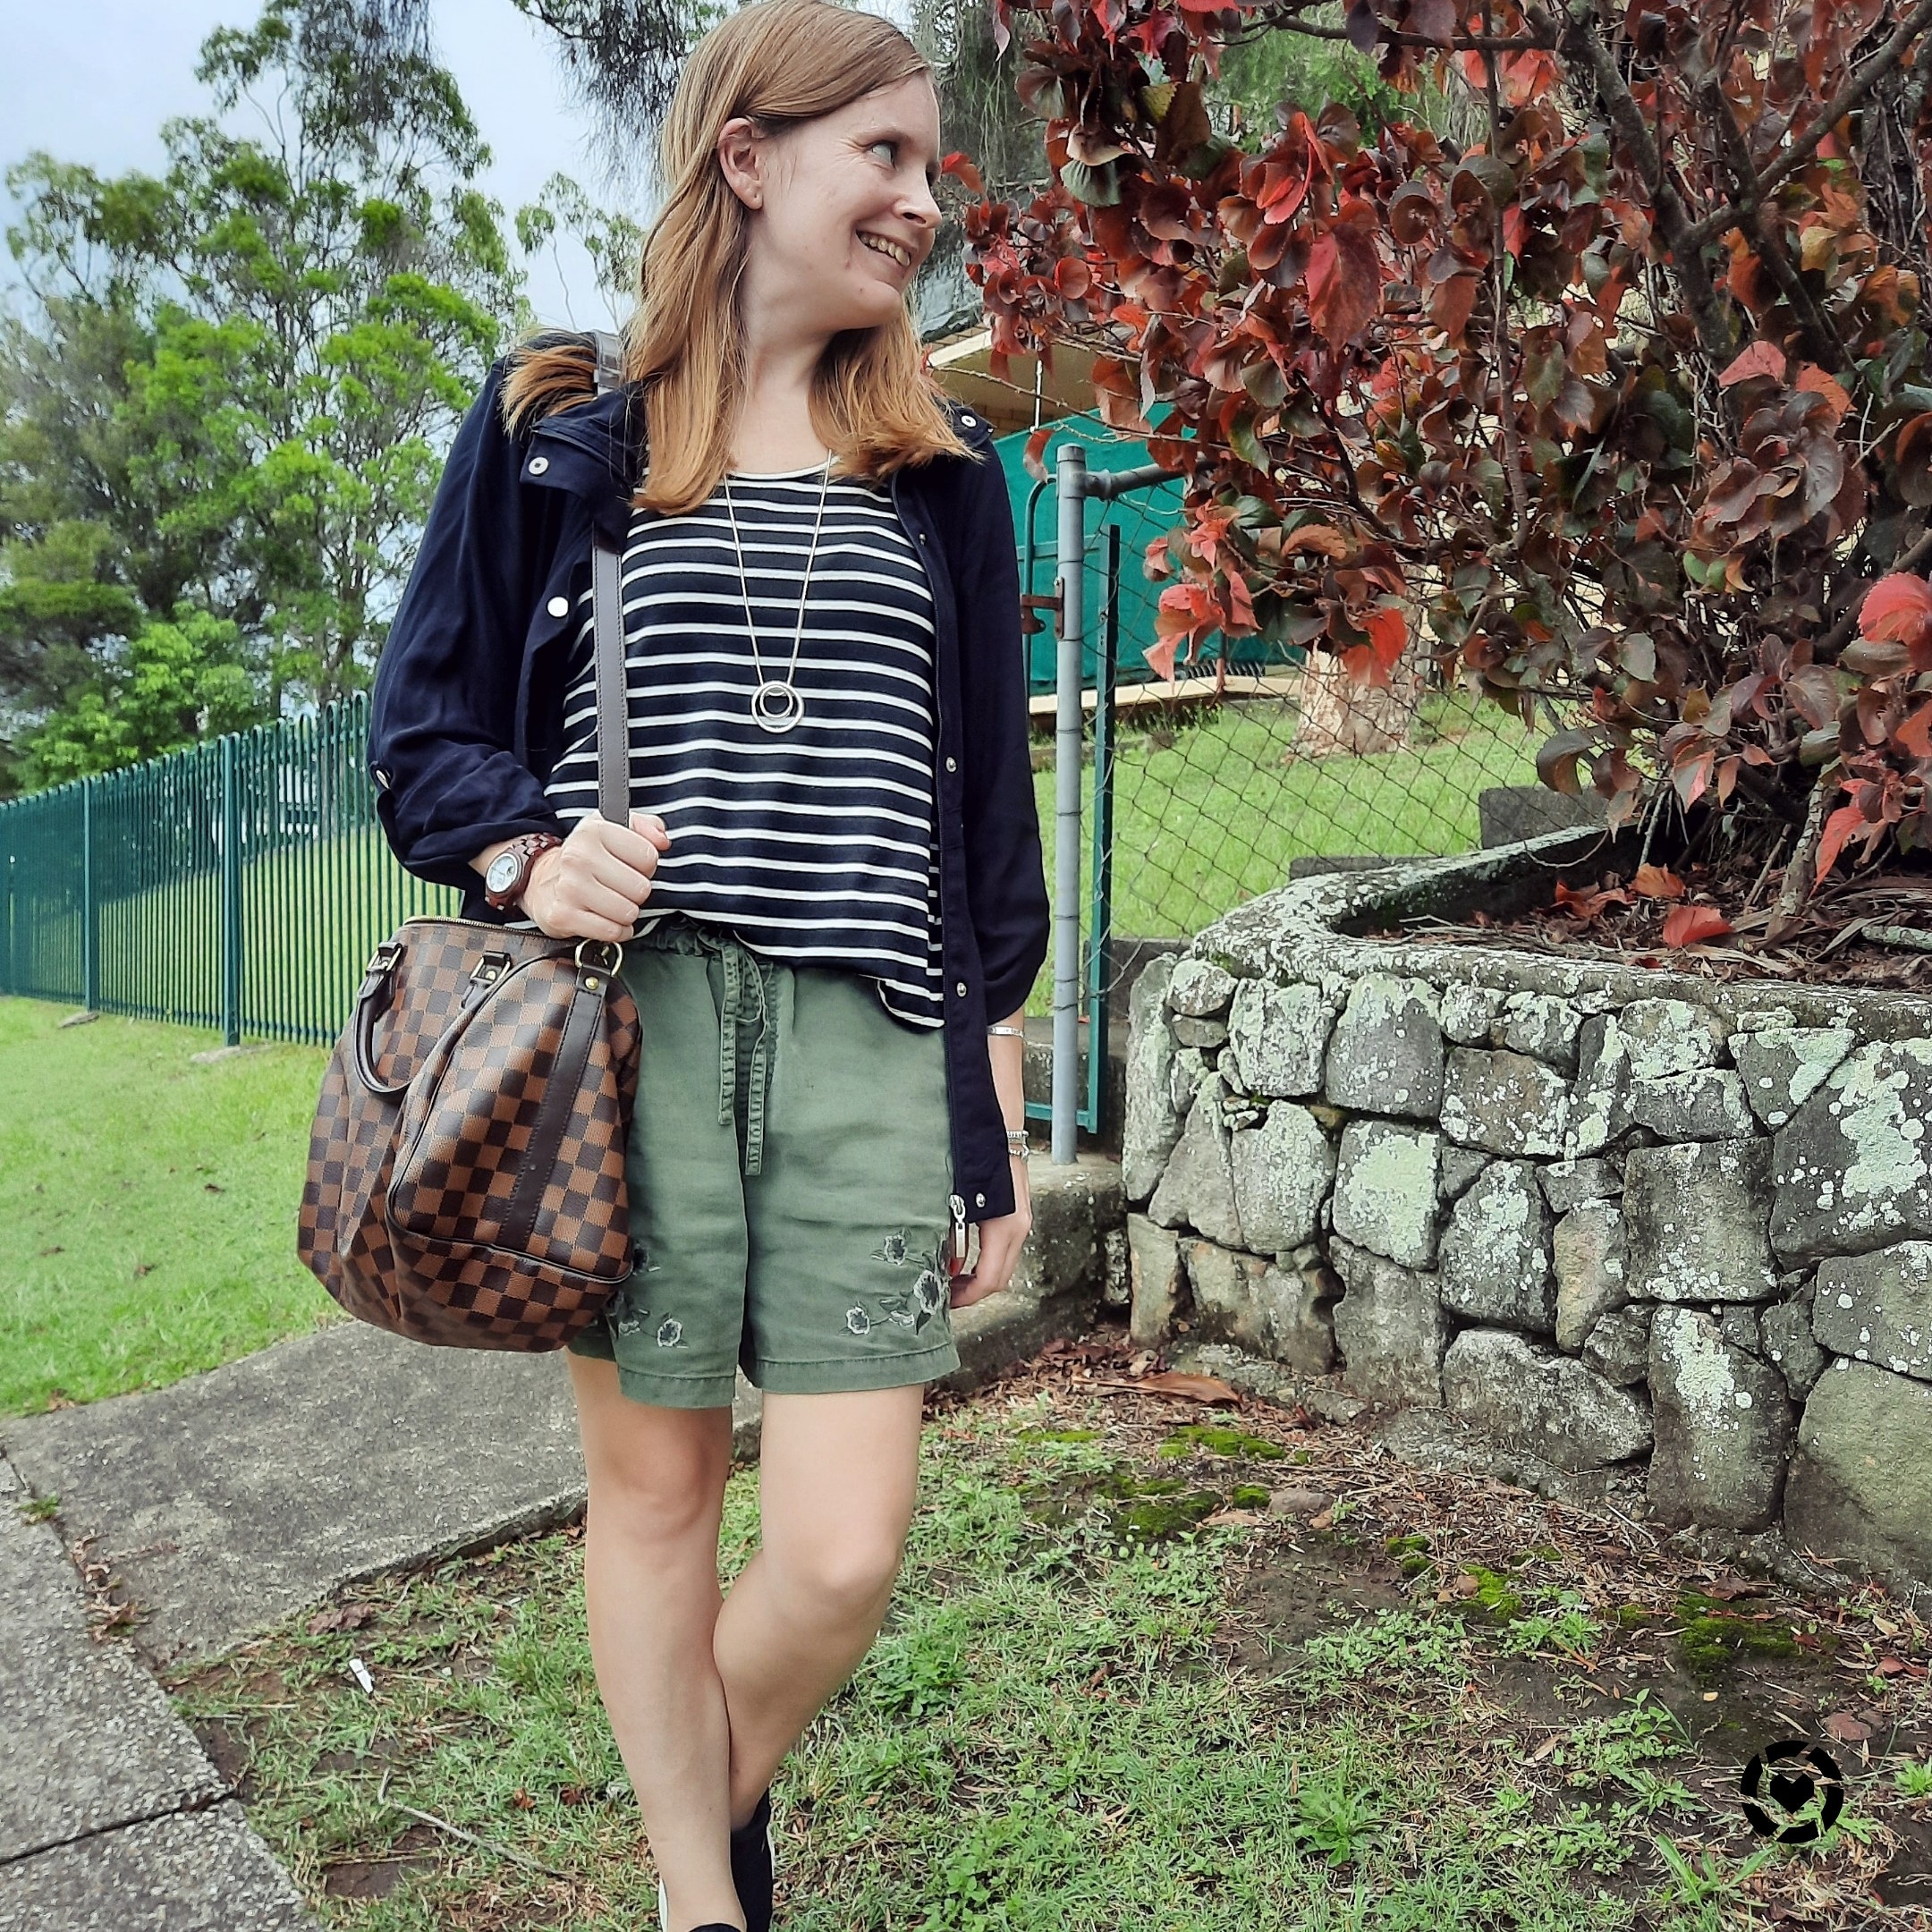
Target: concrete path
111 1814
238 1498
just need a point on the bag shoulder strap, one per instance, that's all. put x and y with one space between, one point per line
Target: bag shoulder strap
606 632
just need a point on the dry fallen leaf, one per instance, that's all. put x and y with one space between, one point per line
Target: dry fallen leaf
1201 1388
1842 1727
340 1617
1236 1516
1657 882
1295 1502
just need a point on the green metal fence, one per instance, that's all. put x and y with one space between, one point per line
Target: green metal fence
239 884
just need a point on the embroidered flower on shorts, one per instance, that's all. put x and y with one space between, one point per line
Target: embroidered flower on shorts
915 1304
629 1321
670 1332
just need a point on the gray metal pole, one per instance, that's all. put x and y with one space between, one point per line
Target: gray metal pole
1070 482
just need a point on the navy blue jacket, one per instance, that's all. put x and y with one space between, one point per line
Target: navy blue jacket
467 719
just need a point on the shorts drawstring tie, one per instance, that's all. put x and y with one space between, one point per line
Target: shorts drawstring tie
743 974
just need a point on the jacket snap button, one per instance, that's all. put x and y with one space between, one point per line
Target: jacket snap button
971 422
952 764
978 1200
960 989
559 607
538 464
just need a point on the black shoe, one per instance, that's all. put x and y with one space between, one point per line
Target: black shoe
752 1863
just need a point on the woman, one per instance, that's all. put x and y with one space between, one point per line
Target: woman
830 888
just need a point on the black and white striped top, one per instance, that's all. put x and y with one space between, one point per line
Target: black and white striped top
817 846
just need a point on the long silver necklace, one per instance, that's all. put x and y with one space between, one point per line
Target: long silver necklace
776 705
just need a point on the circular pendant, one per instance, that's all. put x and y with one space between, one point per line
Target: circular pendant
776 705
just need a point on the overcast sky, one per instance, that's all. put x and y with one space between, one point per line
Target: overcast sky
92 80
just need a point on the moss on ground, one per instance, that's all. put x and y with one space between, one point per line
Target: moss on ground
1712 1636
1219 1440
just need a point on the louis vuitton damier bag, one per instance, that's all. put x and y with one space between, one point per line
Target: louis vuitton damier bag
466 1168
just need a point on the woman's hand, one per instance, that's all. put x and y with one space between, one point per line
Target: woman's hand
594 885
1000 1243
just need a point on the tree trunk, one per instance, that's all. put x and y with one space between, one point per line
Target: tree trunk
1339 715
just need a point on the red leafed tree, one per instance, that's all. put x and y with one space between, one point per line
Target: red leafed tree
1630 396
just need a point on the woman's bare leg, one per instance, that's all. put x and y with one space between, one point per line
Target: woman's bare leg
838 1476
651 1595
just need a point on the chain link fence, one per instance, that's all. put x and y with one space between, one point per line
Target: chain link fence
1252 767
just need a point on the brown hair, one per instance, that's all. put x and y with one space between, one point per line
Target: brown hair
873 405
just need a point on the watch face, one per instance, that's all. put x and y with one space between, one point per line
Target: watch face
503 872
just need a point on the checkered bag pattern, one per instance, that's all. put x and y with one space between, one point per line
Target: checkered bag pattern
470 1191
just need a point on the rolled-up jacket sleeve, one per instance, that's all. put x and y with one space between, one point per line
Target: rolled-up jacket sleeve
441 745
1006 882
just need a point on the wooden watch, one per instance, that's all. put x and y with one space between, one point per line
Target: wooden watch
507 877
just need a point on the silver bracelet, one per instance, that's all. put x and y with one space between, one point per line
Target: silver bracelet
1005 1032
1016 1140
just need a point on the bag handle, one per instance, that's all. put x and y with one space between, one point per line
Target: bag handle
607 628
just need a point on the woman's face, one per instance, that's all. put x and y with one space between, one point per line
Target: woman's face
841 208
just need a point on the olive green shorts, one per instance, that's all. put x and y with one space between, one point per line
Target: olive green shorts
790 1172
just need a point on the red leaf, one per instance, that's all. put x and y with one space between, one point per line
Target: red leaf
1585 903
1688 925
1388 633
1160 656
1657 882
1450 305
1915 734
1344 282
1035 445
1844 824
1761 359
957 164
1898 608
1812 378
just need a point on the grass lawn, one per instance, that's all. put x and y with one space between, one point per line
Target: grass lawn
1391 1701
150 1220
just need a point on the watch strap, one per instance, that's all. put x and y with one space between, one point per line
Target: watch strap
528 848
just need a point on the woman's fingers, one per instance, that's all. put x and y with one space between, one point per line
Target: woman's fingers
1000 1243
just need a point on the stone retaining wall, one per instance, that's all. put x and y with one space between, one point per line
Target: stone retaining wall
1622 1219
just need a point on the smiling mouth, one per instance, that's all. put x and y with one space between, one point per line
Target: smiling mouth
892 250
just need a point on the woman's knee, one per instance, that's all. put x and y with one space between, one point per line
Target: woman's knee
655 1474
844 1577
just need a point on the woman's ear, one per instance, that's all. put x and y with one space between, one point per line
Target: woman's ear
740 161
